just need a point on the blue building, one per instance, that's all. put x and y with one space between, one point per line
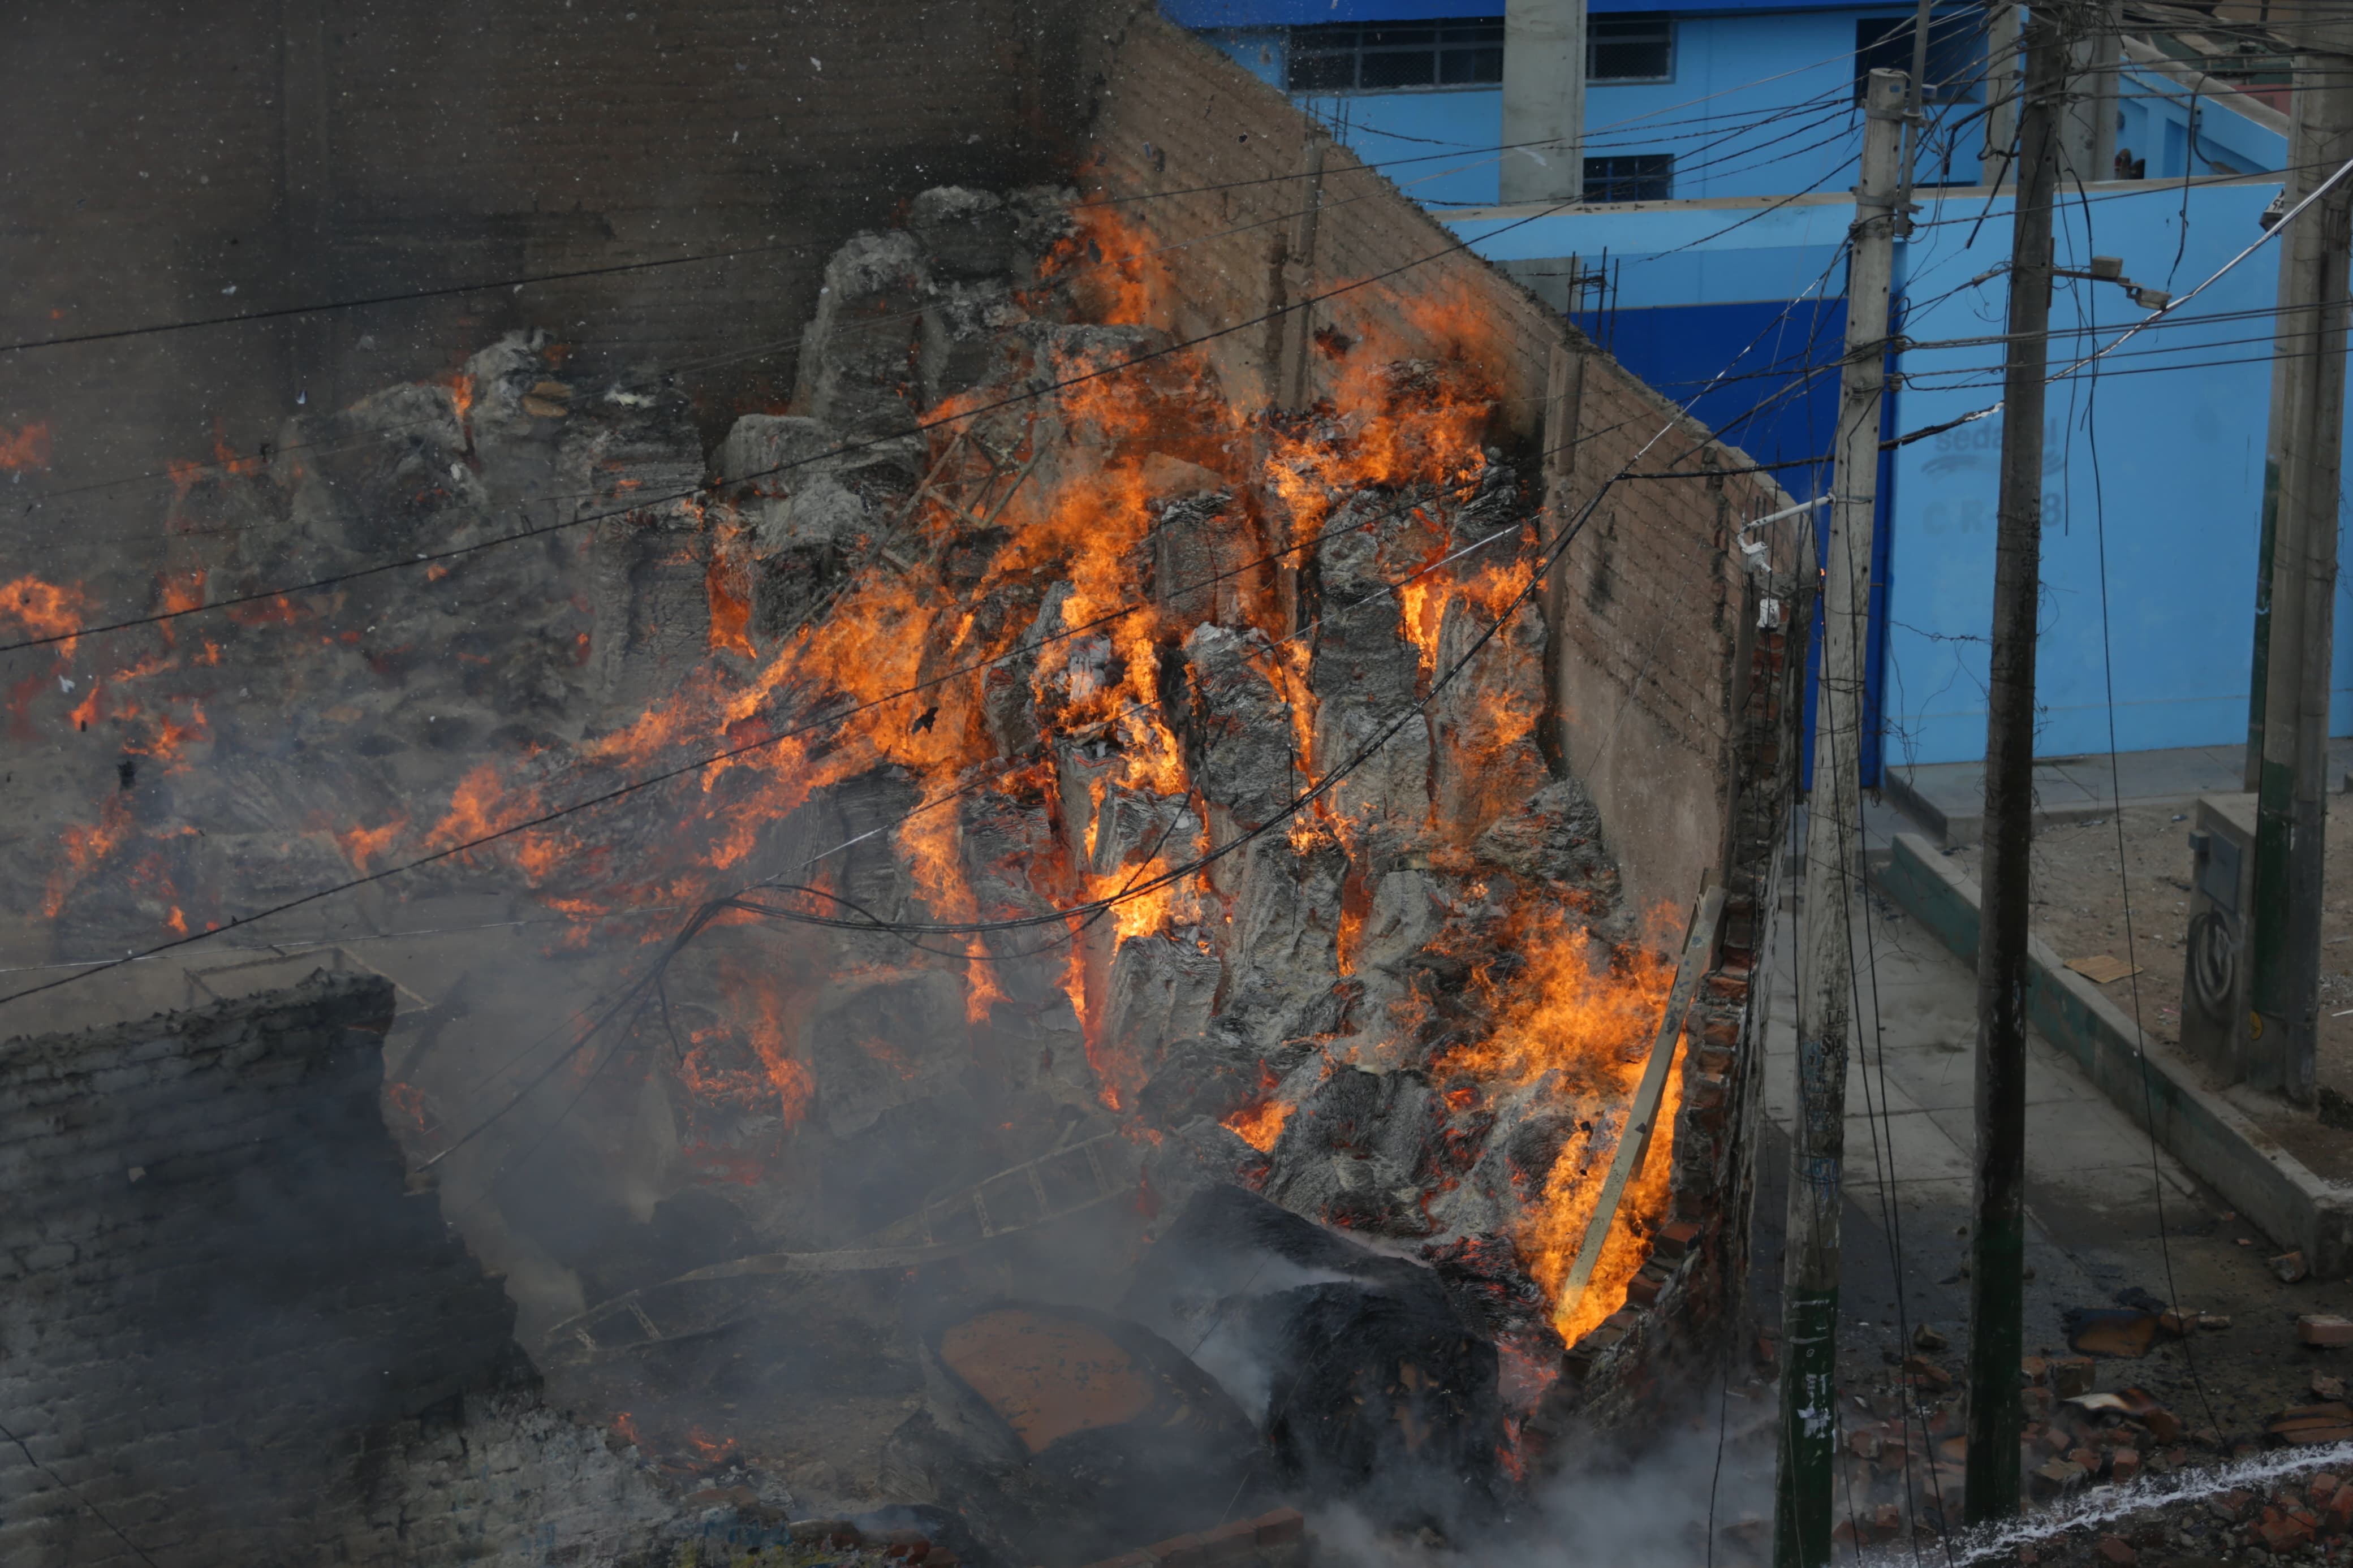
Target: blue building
1721 139
1713 98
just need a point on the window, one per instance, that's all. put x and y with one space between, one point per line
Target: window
1885 43
1630 48
1637 177
1394 57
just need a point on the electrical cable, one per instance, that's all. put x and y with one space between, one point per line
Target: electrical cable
701 917
2124 877
642 503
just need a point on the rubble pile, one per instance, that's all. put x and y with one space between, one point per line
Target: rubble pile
1012 611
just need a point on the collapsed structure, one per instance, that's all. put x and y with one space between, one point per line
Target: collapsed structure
1150 814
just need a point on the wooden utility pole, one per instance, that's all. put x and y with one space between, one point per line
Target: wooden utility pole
2294 623
1997 1241
1802 1518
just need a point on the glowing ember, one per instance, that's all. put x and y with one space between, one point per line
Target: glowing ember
27 447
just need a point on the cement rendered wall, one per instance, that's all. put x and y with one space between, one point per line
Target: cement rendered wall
229 1332
1648 642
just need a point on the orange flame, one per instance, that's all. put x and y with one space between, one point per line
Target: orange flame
26 447
1261 1124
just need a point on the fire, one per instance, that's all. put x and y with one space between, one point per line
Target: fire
1053 617
1583 1017
731 605
44 609
362 845
82 846
26 447
1261 1124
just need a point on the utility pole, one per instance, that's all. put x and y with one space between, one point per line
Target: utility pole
2288 718
2002 76
1802 1518
1544 101
1998 1240
2087 136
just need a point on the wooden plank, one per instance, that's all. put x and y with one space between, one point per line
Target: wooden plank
1634 1142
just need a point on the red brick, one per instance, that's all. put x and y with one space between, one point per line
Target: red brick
2115 1549
2282 1532
1674 1240
2326 1330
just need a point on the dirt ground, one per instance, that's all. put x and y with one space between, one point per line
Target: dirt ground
2081 909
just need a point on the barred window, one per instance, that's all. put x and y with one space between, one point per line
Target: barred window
1395 57
1635 177
1632 46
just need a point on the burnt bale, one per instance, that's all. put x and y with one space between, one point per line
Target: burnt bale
1365 674
1067 1434
1367 1382
1237 729
1355 1152
965 233
858 355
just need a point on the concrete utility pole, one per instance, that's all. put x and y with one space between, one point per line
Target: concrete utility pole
1997 1241
2288 718
1544 101
1802 1519
2088 137
2001 94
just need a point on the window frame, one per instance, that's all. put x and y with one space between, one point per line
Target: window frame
1660 167
1450 38
1665 23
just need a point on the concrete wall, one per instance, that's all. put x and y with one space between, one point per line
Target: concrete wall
227 1326
1647 647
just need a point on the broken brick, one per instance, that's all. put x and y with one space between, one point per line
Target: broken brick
2071 1375
1927 1371
2124 1464
2325 1330
2115 1549
2059 1475
1676 1240
2282 1531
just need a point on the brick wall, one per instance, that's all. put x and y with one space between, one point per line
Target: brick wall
295 150
1681 1321
228 1324
1648 635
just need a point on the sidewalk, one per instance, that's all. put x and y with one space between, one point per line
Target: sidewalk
2094 1189
1948 799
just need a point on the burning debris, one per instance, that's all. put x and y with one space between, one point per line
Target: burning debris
819 736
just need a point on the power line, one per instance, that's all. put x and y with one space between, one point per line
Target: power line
641 503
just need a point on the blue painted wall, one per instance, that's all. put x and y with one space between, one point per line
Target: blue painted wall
1760 103
2177 416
